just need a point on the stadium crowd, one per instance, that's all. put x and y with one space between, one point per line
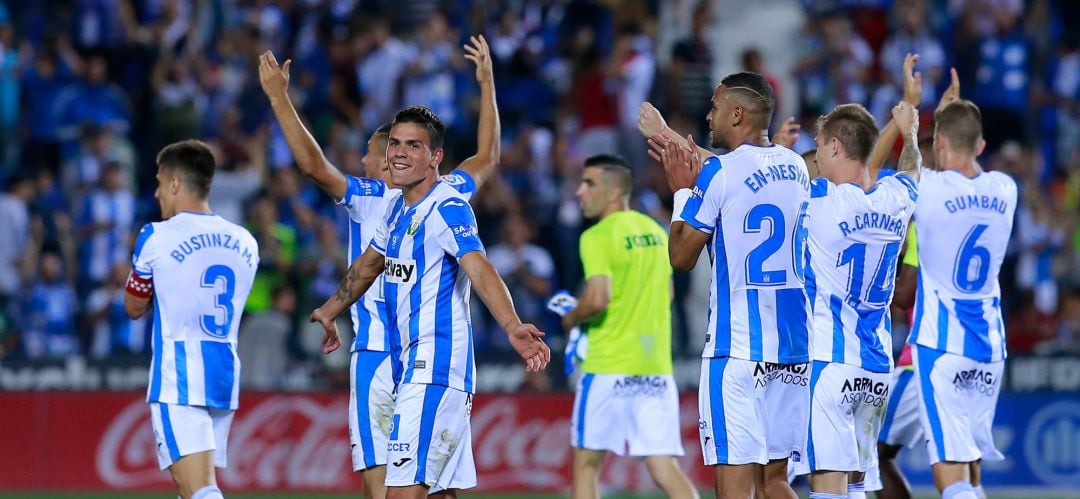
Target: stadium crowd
91 89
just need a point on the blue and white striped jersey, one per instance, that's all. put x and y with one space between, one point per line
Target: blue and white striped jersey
202 267
964 227
366 201
854 242
753 202
427 292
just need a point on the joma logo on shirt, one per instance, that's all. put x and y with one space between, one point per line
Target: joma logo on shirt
399 271
642 241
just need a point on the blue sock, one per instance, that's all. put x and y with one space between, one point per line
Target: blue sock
856 490
208 492
959 490
825 495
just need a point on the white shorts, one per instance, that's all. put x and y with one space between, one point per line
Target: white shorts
182 430
752 412
901 425
431 439
625 414
847 404
959 398
371 407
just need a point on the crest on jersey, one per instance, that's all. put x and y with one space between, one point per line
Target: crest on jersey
414 225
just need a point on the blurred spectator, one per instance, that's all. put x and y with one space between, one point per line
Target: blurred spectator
379 73
691 83
836 65
95 100
9 97
429 78
321 266
262 347
1001 80
112 332
241 164
912 36
277 252
527 270
104 221
1039 236
42 84
15 225
49 313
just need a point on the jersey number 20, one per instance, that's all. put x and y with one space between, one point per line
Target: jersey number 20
223 301
755 260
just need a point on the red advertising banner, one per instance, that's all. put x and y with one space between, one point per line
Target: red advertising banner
103 441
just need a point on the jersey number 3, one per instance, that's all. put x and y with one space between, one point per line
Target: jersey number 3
223 301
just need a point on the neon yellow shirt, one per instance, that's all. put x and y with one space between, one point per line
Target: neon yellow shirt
633 336
911 255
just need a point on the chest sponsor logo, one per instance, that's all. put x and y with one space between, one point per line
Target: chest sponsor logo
400 271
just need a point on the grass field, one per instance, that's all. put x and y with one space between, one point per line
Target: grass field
1016 494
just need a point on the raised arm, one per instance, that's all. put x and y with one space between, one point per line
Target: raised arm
488 135
357 281
889 134
308 154
525 338
651 124
906 118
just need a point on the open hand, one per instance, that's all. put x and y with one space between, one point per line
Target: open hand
787 134
953 92
912 81
478 52
331 340
681 165
527 342
273 78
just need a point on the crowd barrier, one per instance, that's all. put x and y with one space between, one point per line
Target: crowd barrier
92 441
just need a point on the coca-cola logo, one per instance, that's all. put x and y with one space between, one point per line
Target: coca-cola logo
288 442
126 457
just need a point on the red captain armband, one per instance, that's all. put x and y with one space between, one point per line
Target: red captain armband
139 287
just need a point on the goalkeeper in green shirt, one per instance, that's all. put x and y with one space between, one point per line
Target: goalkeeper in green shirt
626 400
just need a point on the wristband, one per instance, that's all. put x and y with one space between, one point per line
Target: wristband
681 197
139 287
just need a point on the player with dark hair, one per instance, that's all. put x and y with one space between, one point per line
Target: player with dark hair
627 401
371 400
195 269
429 254
750 206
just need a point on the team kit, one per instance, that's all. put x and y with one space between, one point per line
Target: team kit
806 254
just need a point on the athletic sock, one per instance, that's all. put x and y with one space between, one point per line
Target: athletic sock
825 495
959 490
856 490
208 492
980 492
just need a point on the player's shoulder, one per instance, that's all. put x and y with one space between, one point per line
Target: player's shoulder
820 187
1001 180
145 236
460 180
901 184
365 187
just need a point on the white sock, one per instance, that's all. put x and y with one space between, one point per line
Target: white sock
856 490
980 492
826 495
208 492
959 490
